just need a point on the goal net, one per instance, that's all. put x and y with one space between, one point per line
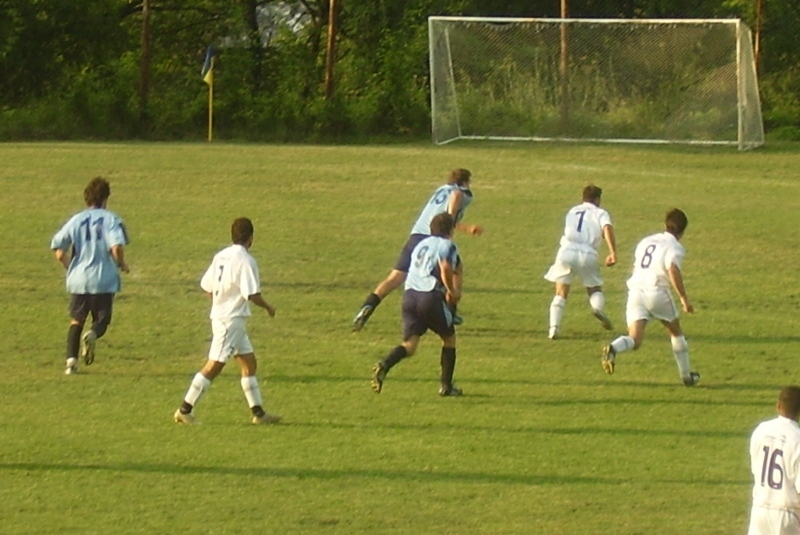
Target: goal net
612 80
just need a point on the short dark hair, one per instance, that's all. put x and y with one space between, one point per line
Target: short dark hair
592 193
676 221
789 401
96 192
460 176
442 224
241 230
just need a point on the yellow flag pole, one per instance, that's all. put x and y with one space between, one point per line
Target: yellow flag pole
211 110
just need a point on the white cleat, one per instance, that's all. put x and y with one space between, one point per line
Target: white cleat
266 418
603 319
72 367
88 342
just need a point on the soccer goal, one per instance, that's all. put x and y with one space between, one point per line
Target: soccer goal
612 80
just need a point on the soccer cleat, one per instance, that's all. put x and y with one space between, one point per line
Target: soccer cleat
72 367
609 358
88 341
187 419
361 318
378 376
266 418
552 334
457 320
692 379
450 391
603 319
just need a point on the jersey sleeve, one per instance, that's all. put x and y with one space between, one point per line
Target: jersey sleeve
116 233
249 282
207 281
603 218
674 255
63 238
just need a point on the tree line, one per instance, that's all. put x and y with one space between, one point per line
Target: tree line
130 69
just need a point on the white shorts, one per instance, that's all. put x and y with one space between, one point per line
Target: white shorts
650 303
571 262
773 522
229 339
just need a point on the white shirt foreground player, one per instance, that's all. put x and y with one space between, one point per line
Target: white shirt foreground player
232 282
775 465
656 266
586 226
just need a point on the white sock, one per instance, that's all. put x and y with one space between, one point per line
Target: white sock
199 385
622 344
251 391
557 311
680 348
597 301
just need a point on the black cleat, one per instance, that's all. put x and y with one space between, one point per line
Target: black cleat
361 318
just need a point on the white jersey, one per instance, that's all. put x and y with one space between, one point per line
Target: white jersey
775 464
653 257
584 225
231 279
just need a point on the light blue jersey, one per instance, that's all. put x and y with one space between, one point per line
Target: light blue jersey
91 233
424 275
438 204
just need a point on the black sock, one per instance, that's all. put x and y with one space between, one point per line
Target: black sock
73 340
395 355
372 300
186 408
448 361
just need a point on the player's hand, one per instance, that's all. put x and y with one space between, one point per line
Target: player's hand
611 260
270 310
123 267
452 298
475 230
688 307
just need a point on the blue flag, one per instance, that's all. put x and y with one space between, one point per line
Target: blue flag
208 66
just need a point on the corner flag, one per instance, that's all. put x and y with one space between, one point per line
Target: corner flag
207 73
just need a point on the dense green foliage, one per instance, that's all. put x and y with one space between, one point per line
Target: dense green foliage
75 69
543 442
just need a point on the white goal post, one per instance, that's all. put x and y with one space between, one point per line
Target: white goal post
611 80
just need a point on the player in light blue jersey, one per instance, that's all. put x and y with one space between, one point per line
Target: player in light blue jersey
430 292
453 197
96 238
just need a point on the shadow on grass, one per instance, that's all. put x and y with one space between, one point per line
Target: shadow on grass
330 474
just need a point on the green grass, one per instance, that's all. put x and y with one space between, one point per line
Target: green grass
543 441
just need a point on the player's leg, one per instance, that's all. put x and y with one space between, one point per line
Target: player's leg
413 329
248 365
395 278
439 319
597 301
78 312
101 307
448 365
218 354
680 350
557 306
637 314
458 282
589 271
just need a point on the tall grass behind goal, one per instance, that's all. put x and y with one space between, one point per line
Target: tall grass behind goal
614 80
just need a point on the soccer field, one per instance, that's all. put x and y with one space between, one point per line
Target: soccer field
542 442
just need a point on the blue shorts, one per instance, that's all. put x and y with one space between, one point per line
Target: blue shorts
426 310
404 260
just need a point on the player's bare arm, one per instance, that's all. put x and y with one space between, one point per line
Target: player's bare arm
676 279
62 258
258 300
453 295
118 254
611 241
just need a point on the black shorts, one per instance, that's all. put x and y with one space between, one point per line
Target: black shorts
426 310
100 305
404 260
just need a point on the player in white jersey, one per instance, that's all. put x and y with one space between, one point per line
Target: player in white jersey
453 198
775 465
97 239
586 226
430 289
656 267
232 281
